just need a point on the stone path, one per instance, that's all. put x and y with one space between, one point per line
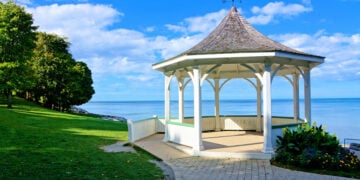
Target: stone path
186 167
118 147
228 169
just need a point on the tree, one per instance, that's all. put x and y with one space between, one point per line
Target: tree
60 80
17 40
81 89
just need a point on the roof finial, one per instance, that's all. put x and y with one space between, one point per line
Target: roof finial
233 2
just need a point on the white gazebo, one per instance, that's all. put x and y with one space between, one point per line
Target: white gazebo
234 50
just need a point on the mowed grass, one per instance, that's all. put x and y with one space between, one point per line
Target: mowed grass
37 143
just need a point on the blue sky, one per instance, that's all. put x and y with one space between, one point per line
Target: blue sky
119 40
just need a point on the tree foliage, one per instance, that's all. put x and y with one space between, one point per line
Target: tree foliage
60 80
38 65
17 40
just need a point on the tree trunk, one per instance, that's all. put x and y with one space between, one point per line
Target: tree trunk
9 102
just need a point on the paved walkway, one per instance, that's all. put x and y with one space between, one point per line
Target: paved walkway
233 169
189 167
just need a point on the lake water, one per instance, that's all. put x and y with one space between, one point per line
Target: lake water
338 116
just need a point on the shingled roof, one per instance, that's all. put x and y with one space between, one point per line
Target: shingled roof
233 35
235 41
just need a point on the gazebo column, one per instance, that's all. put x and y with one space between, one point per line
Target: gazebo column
198 145
181 99
259 127
268 148
296 96
167 105
307 95
217 104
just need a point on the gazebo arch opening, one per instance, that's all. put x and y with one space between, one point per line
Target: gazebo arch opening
233 51
235 90
284 106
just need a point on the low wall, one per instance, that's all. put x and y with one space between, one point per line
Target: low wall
208 122
181 133
160 125
141 128
238 122
278 120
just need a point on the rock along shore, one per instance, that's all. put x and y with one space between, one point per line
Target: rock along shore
79 110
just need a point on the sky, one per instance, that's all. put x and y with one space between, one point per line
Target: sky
119 40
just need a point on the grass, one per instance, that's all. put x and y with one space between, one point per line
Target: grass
37 143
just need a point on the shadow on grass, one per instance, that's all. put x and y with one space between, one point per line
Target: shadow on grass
37 143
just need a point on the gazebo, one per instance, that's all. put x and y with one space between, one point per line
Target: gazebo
234 49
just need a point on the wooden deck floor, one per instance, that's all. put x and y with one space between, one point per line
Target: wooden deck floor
234 144
233 141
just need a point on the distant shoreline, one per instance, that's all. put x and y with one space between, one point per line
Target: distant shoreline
79 110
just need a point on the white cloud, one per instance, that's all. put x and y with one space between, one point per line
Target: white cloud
192 30
150 29
176 28
342 52
266 14
126 55
200 24
260 19
106 51
172 47
205 23
120 68
306 2
74 16
86 27
117 52
142 78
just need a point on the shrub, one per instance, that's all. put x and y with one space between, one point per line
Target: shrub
312 147
307 137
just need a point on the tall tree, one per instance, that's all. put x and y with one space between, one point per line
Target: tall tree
61 81
81 89
17 40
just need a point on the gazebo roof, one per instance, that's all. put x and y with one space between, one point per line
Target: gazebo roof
235 41
235 34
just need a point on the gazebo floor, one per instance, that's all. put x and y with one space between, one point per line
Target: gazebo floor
233 141
229 144
222 144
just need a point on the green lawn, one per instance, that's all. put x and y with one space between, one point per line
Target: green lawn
37 143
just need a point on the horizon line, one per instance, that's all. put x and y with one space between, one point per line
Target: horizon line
220 99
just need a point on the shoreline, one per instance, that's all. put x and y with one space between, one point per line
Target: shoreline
78 110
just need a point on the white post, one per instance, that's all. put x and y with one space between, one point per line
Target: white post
130 131
296 96
198 146
307 94
181 99
167 106
217 104
268 148
259 127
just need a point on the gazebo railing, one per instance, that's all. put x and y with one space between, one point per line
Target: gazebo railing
181 133
139 129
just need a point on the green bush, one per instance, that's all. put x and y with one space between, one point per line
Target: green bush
312 147
309 138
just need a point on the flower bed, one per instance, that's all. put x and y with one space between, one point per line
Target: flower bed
310 147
